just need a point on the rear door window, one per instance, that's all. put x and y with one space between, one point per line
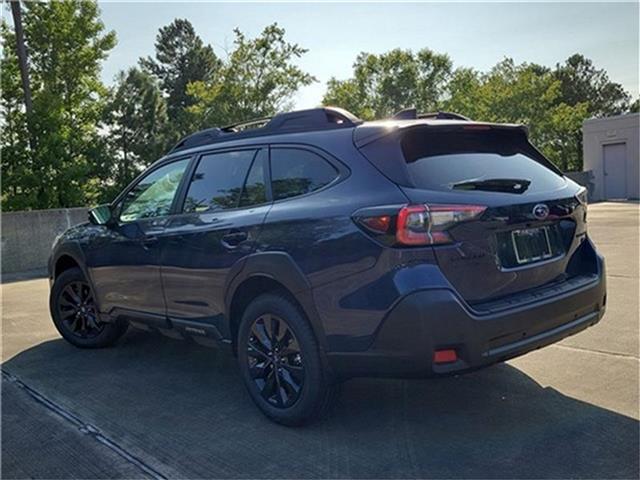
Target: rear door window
500 161
218 181
296 172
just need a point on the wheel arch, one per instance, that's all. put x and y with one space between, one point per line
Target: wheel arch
268 272
62 263
69 255
66 254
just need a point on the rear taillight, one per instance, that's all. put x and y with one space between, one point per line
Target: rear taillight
416 225
428 224
583 197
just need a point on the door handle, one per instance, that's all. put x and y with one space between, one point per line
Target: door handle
232 240
149 240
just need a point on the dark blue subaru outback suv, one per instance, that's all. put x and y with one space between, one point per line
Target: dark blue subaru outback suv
318 247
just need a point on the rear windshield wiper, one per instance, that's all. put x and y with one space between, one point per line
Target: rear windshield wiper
507 185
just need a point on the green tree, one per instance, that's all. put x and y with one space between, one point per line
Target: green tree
23 63
464 93
181 58
582 82
258 79
136 122
507 93
17 167
66 42
384 84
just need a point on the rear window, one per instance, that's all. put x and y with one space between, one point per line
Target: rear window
496 160
296 172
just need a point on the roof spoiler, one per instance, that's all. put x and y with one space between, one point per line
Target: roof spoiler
371 132
412 114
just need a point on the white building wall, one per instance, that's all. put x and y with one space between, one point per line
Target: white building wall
598 132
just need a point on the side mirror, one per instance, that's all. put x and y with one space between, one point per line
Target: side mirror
100 215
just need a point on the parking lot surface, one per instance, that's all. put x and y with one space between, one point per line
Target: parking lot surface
157 407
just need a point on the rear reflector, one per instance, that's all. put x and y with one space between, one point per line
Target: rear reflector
377 224
444 356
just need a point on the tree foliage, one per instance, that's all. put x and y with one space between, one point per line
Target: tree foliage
593 94
91 140
384 84
257 79
17 165
84 141
137 123
66 42
181 58
552 102
582 82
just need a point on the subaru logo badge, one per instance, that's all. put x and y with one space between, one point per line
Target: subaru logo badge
541 211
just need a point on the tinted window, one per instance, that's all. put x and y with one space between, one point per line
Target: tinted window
480 160
254 192
153 195
296 172
217 182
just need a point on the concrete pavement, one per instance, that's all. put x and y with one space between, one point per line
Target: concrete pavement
156 407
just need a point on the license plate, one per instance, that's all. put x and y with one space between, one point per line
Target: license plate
531 244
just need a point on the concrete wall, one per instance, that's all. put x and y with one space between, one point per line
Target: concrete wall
27 236
597 133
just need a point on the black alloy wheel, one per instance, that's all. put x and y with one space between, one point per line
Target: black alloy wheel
281 361
77 310
275 361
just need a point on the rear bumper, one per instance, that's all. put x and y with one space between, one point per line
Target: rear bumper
429 320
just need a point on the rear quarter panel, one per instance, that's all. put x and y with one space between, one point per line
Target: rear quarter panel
351 276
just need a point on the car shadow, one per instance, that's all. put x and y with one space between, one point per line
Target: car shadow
183 409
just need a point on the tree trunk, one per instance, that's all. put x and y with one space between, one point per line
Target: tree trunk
23 62
22 55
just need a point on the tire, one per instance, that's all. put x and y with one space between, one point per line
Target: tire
75 315
275 393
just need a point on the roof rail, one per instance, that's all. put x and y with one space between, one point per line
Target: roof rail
324 118
412 114
240 126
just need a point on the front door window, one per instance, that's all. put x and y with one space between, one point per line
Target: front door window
154 194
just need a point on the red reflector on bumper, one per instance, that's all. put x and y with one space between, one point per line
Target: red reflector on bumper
444 356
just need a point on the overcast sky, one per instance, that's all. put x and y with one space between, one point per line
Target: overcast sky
474 35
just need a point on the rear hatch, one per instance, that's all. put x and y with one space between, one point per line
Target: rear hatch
531 219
